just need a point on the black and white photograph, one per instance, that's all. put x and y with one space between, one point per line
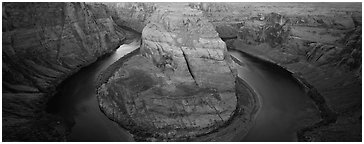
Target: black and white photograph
185 71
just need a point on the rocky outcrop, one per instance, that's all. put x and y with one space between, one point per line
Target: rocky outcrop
181 87
43 43
183 41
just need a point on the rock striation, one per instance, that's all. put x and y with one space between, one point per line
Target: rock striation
181 86
43 43
321 47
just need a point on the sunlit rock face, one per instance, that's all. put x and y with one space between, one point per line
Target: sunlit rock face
43 43
182 41
181 86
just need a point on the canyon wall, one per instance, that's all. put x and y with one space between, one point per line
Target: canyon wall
318 42
43 43
313 32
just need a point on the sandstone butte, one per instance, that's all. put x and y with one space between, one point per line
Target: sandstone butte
181 86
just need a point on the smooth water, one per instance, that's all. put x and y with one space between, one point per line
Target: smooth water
284 103
76 102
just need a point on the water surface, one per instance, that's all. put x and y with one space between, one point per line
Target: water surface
284 103
76 102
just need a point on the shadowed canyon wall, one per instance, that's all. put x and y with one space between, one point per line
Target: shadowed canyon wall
43 43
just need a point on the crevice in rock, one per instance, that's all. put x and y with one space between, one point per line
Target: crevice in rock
188 66
213 107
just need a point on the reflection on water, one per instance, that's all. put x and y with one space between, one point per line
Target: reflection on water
76 101
283 101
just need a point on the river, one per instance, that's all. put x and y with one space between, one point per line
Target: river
283 102
76 102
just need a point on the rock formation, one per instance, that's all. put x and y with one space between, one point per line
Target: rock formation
182 84
319 45
43 43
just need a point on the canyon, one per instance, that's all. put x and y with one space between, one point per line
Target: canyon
319 43
43 43
182 84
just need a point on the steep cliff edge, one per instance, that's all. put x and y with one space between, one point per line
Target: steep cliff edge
182 86
43 43
319 42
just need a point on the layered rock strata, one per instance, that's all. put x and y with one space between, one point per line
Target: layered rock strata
43 43
181 87
321 47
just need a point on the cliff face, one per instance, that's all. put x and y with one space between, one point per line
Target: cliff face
181 87
321 37
318 42
43 43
